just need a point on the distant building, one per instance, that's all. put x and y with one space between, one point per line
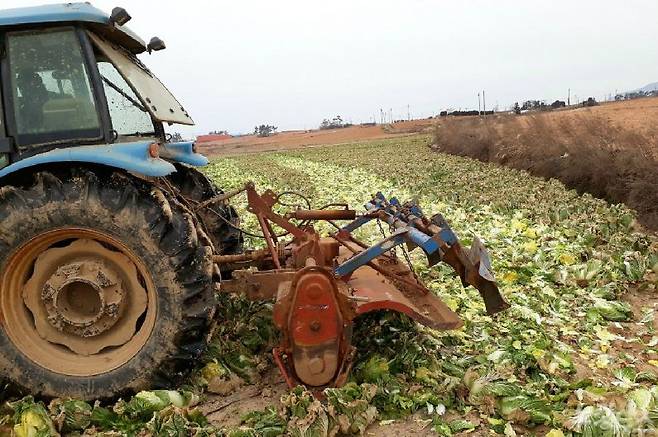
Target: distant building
590 102
558 104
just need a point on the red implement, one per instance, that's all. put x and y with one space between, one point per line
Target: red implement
320 285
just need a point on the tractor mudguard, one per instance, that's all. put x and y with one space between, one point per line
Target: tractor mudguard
183 152
133 157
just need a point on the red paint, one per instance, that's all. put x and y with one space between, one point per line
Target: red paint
315 304
211 138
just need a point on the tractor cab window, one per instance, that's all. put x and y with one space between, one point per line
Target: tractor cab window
153 95
50 87
128 115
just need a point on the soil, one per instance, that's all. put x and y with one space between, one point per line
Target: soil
642 302
226 411
412 426
300 139
639 114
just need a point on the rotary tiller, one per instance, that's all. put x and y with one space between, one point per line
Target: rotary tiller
321 284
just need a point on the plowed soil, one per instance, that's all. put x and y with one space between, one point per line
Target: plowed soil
300 139
640 114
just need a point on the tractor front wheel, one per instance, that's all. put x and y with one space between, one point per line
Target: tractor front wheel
104 285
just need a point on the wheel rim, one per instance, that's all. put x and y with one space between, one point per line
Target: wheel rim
77 302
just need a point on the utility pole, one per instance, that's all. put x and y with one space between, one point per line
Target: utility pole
484 104
569 98
479 106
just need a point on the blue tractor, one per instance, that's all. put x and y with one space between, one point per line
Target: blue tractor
106 256
112 243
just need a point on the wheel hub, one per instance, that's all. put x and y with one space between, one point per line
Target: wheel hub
85 296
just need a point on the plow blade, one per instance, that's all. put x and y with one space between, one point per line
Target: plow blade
474 268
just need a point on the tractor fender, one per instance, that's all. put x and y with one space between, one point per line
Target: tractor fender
133 157
183 152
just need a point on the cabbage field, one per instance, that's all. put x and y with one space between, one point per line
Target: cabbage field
576 354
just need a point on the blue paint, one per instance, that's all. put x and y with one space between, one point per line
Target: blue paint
354 225
363 258
401 217
183 152
132 157
61 13
425 242
448 236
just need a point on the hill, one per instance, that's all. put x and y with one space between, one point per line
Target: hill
648 88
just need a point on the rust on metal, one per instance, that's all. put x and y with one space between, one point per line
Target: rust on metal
71 300
314 317
374 292
257 285
322 214
253 255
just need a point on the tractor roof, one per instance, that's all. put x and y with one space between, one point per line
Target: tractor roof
72 13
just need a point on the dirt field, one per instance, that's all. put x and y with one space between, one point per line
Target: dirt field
640 114
631 123
301 139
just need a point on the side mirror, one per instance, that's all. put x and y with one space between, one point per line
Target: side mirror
119 16
155 45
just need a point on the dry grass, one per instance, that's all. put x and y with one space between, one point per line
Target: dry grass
586 152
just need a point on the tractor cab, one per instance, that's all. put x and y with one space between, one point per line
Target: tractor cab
70 77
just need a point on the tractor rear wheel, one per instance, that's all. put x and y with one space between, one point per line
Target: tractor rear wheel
105 287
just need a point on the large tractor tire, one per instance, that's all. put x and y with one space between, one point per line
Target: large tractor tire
196 187
105 287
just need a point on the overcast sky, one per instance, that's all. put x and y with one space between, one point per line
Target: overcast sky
235 64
